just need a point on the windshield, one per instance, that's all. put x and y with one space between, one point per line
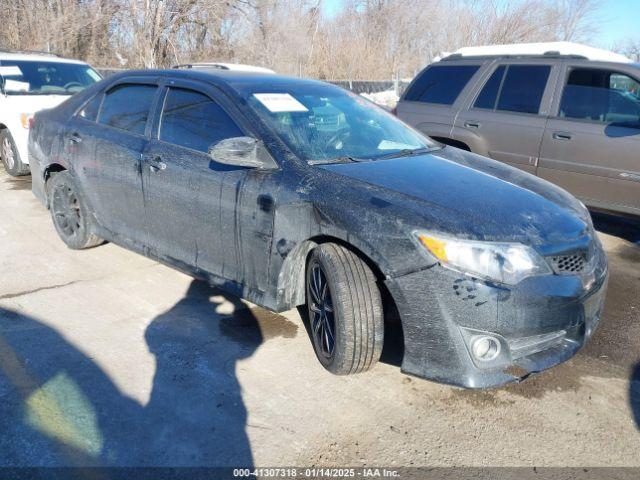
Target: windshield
45 78
322 123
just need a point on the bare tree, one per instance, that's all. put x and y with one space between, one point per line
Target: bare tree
630 48
366 39
577 19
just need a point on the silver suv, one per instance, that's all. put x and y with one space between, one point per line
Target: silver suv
564 118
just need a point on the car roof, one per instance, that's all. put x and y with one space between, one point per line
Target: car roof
241 81
37 57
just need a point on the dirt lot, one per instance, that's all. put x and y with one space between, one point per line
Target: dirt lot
107 358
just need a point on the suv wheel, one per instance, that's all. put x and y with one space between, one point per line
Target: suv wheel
10 156
70 216
346 322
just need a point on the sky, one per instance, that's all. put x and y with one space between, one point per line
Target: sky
618 21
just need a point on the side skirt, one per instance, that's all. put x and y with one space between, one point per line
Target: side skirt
231 287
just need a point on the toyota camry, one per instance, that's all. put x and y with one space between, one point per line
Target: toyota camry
292 192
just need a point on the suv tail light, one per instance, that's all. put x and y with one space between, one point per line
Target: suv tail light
394 111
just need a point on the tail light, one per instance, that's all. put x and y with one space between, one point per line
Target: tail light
394 111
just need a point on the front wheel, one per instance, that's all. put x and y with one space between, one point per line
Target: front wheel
345 310
10 156
70 215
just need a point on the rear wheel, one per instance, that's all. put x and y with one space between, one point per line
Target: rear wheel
70 215
10 156
345 310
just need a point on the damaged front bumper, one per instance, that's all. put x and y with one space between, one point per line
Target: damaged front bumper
539 323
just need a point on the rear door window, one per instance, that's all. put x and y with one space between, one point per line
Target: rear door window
523 87
489 93
127 107
441 84
193 120
602 96
91 109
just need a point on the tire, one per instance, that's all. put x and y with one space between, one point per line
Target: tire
343 299
10 156
69 213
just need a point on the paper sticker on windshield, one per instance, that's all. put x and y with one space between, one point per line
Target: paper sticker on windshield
15 86
280 102
389 145
10 71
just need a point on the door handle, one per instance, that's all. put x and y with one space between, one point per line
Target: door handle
562 136
156 164
75 138
472 124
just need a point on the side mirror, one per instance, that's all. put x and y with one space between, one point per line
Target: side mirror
242 152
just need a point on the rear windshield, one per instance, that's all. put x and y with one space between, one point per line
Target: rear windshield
45 78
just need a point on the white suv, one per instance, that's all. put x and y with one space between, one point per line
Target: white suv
30 82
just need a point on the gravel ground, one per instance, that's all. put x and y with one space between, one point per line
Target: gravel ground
107 358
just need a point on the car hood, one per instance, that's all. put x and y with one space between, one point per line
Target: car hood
460 193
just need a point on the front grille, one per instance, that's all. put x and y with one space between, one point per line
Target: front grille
569 264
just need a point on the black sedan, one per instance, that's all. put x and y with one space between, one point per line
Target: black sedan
290 192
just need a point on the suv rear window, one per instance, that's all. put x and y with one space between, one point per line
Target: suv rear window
514 88
523 87
489 94
441 84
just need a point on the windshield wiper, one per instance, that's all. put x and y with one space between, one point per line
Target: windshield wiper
407 152
343 159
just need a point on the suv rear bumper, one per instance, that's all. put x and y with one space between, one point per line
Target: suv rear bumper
539 323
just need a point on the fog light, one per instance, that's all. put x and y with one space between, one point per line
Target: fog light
485 348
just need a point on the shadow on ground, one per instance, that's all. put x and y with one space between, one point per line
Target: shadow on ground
634 394
59 408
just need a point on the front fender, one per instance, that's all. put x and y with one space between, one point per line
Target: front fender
298 229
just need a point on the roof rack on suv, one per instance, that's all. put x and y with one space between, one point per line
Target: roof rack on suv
567 50
550 54
29 52
200 65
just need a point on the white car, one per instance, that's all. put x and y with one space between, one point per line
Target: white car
30 82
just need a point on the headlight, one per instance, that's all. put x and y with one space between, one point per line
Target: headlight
500 262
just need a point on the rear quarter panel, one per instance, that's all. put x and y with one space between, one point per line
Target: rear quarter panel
430 119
